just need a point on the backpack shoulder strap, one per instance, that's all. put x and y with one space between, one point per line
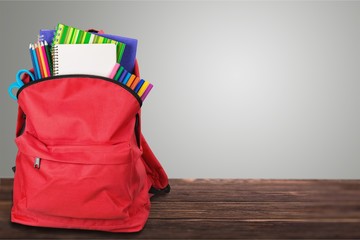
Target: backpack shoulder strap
154 170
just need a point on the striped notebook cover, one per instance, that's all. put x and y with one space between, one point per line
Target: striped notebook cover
69 35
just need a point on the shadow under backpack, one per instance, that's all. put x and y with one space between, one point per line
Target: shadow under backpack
82 161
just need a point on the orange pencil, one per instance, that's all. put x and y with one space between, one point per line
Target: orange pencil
43 66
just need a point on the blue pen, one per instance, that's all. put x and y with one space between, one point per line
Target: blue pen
36 65
123 75
139 85
126 79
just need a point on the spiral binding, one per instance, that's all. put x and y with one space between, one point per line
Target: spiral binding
58 34
55 59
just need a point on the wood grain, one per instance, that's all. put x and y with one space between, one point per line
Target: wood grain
228 209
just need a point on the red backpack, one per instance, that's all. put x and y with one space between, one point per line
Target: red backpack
82 160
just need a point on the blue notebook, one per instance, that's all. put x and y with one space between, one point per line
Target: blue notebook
129 56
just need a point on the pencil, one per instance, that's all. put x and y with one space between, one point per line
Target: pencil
39 61
33 62
46 62
36 60
48 54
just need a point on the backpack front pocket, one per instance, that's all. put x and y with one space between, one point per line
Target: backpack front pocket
75 181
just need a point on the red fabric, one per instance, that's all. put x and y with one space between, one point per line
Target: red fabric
155 171
92 174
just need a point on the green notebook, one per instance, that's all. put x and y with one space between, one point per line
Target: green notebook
69 35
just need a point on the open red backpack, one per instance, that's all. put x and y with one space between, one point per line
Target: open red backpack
82 160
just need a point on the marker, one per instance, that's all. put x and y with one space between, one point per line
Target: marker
139 85
119 72
127 77
123 75
131 80
143 88
146 92
114 70
136 81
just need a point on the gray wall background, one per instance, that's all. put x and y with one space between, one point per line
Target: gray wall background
242 89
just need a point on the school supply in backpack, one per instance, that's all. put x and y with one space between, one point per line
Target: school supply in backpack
41 59
19 83
139 86
95 59
69 35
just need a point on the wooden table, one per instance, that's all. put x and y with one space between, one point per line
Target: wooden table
231 209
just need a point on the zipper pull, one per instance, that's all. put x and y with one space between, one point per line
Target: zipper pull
37 163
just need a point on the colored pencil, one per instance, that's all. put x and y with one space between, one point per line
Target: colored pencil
48 54
36 61
42 60
46 62
33 61
42 75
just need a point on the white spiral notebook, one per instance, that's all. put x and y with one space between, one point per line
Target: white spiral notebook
93 59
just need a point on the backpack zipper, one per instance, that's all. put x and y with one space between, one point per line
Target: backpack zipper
37 162
81 76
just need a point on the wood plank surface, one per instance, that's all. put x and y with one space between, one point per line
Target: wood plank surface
228 209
